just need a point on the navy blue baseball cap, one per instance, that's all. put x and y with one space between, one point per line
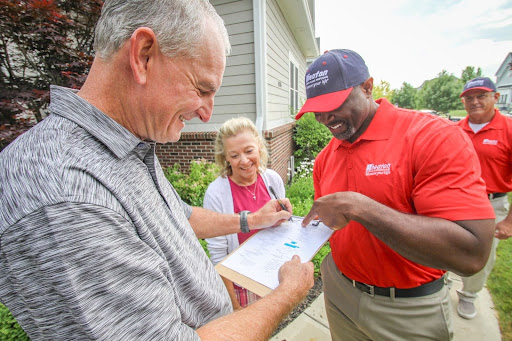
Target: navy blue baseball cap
480 83
331 78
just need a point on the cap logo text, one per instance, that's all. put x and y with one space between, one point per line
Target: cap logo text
317 78
475 83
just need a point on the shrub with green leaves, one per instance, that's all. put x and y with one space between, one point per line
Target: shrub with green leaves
192 186
301 194
9 328
310 137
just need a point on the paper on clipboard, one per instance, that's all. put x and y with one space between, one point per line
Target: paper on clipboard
255 264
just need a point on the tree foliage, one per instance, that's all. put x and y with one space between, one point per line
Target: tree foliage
441 93
383 89
405 97
469 73
42 42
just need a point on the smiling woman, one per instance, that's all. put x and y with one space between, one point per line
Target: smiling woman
243 185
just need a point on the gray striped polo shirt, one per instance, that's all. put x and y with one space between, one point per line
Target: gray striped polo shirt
95 243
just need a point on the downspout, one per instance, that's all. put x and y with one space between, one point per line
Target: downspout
260 61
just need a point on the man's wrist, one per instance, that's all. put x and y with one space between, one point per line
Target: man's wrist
244 225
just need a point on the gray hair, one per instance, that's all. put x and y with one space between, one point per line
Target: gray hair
179 25
233 127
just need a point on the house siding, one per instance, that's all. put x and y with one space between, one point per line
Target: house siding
280 43
504 85
237 95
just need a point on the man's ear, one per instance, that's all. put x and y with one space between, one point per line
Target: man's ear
143 50
367 86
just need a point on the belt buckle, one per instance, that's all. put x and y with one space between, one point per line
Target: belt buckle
372 290
369 289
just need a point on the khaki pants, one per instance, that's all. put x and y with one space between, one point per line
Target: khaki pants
473 284
354 315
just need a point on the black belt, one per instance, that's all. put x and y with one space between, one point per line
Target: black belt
496 195
422 290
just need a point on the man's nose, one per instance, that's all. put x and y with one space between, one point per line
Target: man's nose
206 110
323 117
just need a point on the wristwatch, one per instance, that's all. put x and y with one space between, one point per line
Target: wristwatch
244 226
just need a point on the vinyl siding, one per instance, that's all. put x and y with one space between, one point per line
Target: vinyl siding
280 42
237 93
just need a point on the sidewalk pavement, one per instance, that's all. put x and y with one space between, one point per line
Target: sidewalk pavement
312 324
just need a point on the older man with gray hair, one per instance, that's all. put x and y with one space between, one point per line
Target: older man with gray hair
491 134
95 243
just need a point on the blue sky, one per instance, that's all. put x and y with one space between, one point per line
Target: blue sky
412 41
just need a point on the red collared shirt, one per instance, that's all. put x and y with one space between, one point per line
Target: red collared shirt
412 162
493 144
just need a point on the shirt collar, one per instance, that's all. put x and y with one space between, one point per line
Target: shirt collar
119 140
497 122
380 127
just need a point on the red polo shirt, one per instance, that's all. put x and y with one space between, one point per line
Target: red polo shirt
493 144
412 162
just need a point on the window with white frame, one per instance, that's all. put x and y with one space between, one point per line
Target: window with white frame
294 87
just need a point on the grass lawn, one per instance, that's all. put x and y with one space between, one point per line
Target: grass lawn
458 113
500 287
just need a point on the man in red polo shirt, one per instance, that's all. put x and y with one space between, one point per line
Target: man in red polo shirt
491 134
404 192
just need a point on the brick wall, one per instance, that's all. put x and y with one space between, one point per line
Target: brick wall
190 146
281 147
201 145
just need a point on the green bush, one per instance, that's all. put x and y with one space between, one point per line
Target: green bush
192 186
310 137
301 193
9 328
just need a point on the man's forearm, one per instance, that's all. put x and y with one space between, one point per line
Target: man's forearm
208 224
460 247
255 322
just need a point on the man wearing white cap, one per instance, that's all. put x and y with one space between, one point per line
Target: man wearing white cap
491 134
404 192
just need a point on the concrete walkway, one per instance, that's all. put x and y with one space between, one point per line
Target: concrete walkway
312 324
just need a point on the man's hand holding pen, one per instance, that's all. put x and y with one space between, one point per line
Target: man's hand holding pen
271 212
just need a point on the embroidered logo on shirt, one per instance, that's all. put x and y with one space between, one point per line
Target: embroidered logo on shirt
487 141
382 169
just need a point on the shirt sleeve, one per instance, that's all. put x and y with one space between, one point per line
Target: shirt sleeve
86 273
448 182
217 246
187 208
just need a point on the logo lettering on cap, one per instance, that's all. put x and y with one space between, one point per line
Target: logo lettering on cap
317 78
475 83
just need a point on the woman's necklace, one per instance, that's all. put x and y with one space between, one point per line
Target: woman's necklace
253 194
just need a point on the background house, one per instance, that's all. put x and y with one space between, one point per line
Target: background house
272 43
504 85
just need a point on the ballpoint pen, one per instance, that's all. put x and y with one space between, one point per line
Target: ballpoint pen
279 201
